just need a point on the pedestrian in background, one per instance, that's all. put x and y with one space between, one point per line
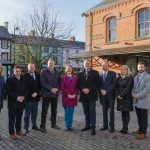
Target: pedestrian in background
69 95
2 88
17 90
50 82
107 96
88 83
124 87
31 104
141 97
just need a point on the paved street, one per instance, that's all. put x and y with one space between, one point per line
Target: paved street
76 140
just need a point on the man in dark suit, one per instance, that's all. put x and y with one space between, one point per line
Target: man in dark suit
107 96
88 84
50 82
17 90
31 104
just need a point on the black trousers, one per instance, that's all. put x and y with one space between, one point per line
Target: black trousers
125 119
108 105
15 117
142 115
89 107
45 105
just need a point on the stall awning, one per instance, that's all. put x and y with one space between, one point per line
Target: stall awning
113 51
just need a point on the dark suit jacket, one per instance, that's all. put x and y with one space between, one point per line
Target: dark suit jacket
34 86
49 81
109 85
16 88
91 82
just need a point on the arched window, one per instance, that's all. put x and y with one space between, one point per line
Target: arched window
144 23
111 33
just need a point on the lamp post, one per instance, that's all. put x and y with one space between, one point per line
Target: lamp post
15 29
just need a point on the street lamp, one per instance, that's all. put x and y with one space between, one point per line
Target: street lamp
15 29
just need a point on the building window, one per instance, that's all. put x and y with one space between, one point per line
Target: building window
4 44
111 24
144 23
4 56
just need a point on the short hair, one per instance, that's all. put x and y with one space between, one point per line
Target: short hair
17 67
141 63
51 60
31 63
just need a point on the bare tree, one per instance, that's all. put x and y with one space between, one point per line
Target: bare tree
45 25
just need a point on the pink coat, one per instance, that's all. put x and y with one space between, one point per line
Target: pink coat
69 87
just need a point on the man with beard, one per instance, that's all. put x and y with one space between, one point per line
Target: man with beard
141 96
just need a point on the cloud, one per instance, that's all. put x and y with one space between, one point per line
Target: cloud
10 9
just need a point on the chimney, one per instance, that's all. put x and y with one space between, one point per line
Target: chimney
31 33
6 24
72 39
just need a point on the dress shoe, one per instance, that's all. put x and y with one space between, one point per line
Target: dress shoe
20 133
86 128
55 127
112 130
93 132
136 132
124 131
36 128
121 131
13 137
104 128
141 136
43 130
27 131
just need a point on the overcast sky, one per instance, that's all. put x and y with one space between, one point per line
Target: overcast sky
70 10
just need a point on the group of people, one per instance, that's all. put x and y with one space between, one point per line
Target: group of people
25 90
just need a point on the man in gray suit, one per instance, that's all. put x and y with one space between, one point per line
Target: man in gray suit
141 96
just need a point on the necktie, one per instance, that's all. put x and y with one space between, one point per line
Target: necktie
138 78
33 76
104 76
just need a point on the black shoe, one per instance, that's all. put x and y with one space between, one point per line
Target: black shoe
55 127
93 132
43 130
71 129
36 128
86 128
124 131
27 131
104 128
112 130
121 131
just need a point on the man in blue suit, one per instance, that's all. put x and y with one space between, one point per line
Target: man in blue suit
107 96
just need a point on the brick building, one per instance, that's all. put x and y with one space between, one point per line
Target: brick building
118 31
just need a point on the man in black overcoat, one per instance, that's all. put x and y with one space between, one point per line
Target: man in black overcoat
17 90
31 104
88 84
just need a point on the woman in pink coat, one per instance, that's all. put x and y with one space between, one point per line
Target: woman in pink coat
69 95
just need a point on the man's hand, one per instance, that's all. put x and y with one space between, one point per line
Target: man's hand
54 90
135 97
103 92
34 95
86 91
119 97
20 99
